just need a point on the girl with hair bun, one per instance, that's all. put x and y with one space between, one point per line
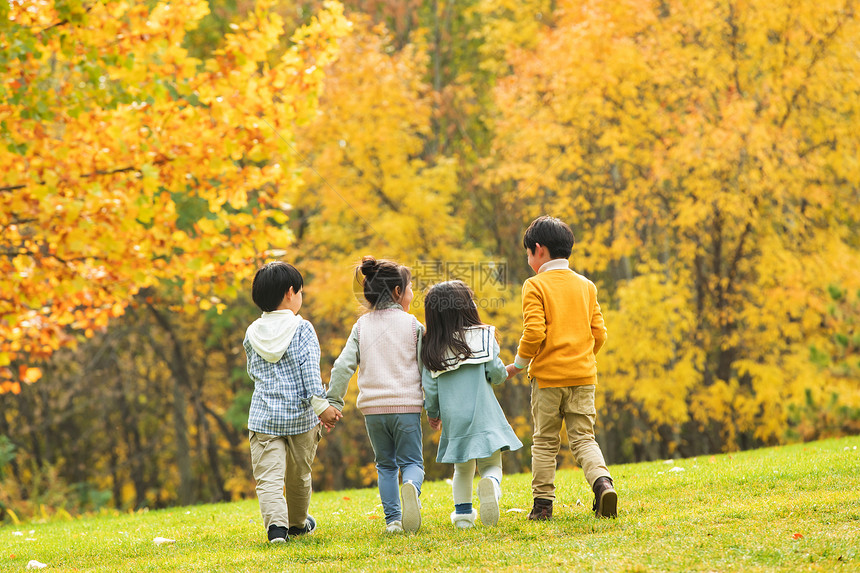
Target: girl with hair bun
384 346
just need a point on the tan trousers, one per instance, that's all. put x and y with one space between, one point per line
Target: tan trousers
573 405
279 462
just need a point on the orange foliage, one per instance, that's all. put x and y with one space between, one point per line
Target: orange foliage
127 164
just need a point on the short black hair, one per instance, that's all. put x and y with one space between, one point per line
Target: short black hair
272 282
552 233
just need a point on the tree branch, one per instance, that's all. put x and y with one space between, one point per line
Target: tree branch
161 161
820 48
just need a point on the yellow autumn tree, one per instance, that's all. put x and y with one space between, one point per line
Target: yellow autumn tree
372 188
706 155
126 163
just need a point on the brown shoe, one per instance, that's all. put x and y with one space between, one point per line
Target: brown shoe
605 498
542 510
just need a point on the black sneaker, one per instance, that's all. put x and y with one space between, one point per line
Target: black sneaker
542 510
605 498
278 534
310 527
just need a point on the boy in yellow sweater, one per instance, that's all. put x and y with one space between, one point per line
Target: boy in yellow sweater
562 331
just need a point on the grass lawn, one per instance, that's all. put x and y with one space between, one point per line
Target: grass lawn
791 508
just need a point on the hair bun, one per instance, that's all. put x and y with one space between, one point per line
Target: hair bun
369 265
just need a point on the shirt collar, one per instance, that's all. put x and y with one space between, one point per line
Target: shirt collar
554 265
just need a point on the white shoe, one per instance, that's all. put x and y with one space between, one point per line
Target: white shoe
394 527
488 496
410 507
464 520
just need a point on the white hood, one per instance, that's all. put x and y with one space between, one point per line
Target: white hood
271 334
480 340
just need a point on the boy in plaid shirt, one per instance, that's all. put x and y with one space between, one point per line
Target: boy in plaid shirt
288 402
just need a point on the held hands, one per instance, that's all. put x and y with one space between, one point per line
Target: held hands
330 417
435 423
512 371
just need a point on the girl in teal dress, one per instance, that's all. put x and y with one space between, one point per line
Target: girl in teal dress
461 364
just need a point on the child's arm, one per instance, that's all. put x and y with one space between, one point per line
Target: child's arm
418 343
343 369
310 368
495 369
428 381
598 327
431 397
534 329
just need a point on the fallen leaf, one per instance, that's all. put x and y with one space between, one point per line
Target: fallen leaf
345 499
797 536
372 517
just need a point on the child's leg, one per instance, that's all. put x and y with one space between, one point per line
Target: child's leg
489 487
410 460
546 412
464 474
409 448
269 461
579 417
301 449
491 467
464 515
382 440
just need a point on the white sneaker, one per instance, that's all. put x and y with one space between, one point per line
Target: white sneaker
464 520
394 527
489 500
410 507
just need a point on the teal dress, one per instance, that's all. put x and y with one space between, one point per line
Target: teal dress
473 423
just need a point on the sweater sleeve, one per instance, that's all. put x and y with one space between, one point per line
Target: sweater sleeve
598 327
534 325
343 369
418 344
495 369
431 393
310 365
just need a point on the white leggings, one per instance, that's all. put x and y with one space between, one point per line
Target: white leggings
464 475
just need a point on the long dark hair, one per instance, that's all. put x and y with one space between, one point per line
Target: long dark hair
449 309
381 278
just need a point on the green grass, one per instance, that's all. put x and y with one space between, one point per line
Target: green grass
792 508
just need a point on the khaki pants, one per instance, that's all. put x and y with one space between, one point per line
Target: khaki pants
573 405
280 461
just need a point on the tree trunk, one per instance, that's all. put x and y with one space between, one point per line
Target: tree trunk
181 380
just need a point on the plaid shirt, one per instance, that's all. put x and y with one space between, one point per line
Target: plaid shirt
280 405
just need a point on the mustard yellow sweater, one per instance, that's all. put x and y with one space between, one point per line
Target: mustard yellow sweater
563 327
